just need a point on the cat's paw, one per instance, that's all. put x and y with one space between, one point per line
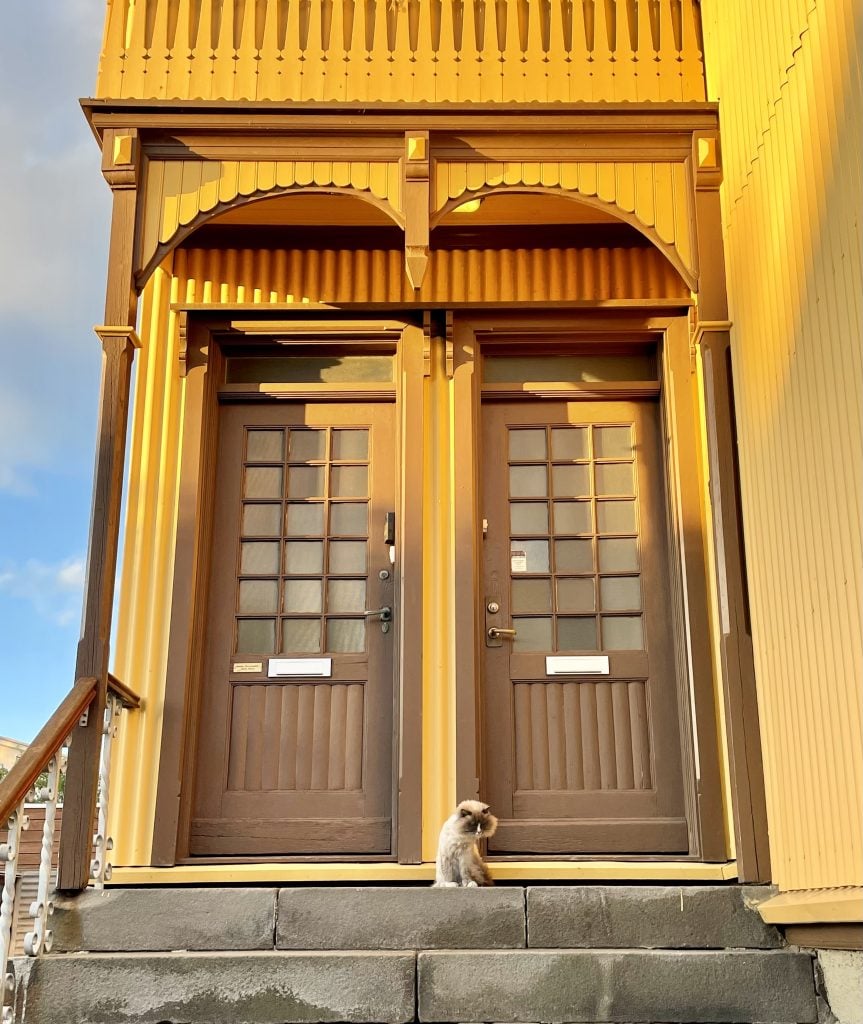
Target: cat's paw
445 885
471 885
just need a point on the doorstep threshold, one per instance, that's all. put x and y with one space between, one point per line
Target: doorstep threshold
369 873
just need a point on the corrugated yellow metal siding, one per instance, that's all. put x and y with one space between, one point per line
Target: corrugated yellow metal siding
454 275
790 110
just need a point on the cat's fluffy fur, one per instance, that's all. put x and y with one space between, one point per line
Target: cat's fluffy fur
458 861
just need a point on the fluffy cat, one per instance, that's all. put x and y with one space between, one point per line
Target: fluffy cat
458 861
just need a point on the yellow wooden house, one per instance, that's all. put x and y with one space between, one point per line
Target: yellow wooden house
494 433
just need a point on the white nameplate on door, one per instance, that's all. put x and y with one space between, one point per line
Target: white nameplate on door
577 665
300 667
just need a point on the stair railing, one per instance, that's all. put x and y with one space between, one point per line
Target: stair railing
45 754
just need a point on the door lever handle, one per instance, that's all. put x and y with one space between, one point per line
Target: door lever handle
496 633
385 614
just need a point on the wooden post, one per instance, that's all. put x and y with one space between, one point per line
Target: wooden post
118 338
712 338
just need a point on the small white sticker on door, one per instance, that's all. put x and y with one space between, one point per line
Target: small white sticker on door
518 561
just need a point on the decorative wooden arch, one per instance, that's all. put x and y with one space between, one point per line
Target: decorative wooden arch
668 249
415 192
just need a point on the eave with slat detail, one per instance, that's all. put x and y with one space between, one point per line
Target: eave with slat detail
407 51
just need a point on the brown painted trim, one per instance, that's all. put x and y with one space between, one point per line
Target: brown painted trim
615 234
82 769
825 936
373 117
188 601
202 359
749 806
689 584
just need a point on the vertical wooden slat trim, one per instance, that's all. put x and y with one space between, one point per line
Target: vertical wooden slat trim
590 736
338 721
467 581
523 727
689 580
321 737
305 735
572 717
556 736
622 736
539 735
239 733
354 738
288 738
752 850
411 412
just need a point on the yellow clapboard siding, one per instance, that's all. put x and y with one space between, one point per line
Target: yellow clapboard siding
791 117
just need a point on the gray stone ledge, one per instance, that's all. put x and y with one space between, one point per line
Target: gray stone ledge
218 988
138 920
652 917
557 987
384 917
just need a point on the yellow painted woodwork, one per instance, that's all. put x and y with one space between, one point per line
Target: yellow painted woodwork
662 210
456 275
416 51
512 871
439 702
141 633
791 116
832 906
177 193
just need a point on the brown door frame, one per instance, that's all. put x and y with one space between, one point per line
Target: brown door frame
202 364
699 744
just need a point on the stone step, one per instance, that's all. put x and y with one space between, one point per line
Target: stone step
378 917
393 917
216 988
468 986
649 916
772 987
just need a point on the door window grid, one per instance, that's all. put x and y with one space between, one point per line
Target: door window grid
303 552
574 538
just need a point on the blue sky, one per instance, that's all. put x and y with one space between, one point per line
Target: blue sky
54 217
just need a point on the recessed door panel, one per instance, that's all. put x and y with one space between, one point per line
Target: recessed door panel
295 745
582 752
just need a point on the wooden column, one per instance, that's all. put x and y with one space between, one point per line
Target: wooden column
712 337
118 338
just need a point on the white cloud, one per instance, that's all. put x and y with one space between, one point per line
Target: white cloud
53 589
54 213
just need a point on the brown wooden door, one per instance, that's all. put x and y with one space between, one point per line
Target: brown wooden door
576 558
298 764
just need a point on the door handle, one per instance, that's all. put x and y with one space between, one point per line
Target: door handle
497 633
385 615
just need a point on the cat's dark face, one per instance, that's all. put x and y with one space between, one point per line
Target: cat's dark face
475 818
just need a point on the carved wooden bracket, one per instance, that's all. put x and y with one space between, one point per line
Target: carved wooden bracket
416 205
120 157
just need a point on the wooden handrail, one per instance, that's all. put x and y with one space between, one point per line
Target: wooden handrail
130 699
27 769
